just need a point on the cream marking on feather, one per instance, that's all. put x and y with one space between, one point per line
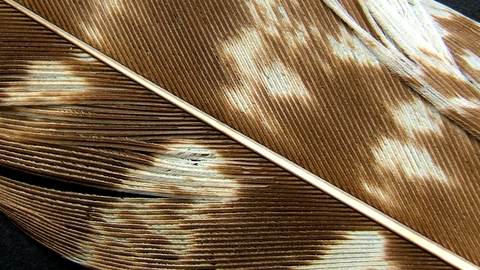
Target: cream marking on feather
350 253
297 37
412 30
255 64
113 6
472 59
166 229
241 102
259 71
42 80
191 170
277 79
464 103
347 46
377 192
436 9
278 21
266 8
48 74
417 117
407 159
247 105
85 57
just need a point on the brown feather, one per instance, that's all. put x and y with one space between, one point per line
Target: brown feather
289 74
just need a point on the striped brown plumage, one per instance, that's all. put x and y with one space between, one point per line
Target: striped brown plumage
289 74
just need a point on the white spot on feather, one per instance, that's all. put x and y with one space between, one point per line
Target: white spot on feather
277 79
46 82
407 159
347 46
464 103
280 82
239 101
265 8
191 170
376 192
260 75
244 50
417 117
361 251
256 73
113 7
43 74
436 9
472 59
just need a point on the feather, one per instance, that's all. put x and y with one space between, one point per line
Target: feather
329 95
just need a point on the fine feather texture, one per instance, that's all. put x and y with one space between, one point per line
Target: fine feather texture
171 227
417 154
251 233
293 76
226 209
413 48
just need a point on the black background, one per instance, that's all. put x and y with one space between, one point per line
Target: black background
19 252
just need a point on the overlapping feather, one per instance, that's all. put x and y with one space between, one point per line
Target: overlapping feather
289 74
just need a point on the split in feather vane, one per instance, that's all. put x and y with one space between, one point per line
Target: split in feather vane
291 75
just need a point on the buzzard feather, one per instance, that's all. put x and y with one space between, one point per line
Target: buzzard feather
261 97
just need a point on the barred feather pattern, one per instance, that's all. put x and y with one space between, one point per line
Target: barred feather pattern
292 75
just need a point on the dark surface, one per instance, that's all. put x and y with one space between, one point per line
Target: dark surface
18 251
470 8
